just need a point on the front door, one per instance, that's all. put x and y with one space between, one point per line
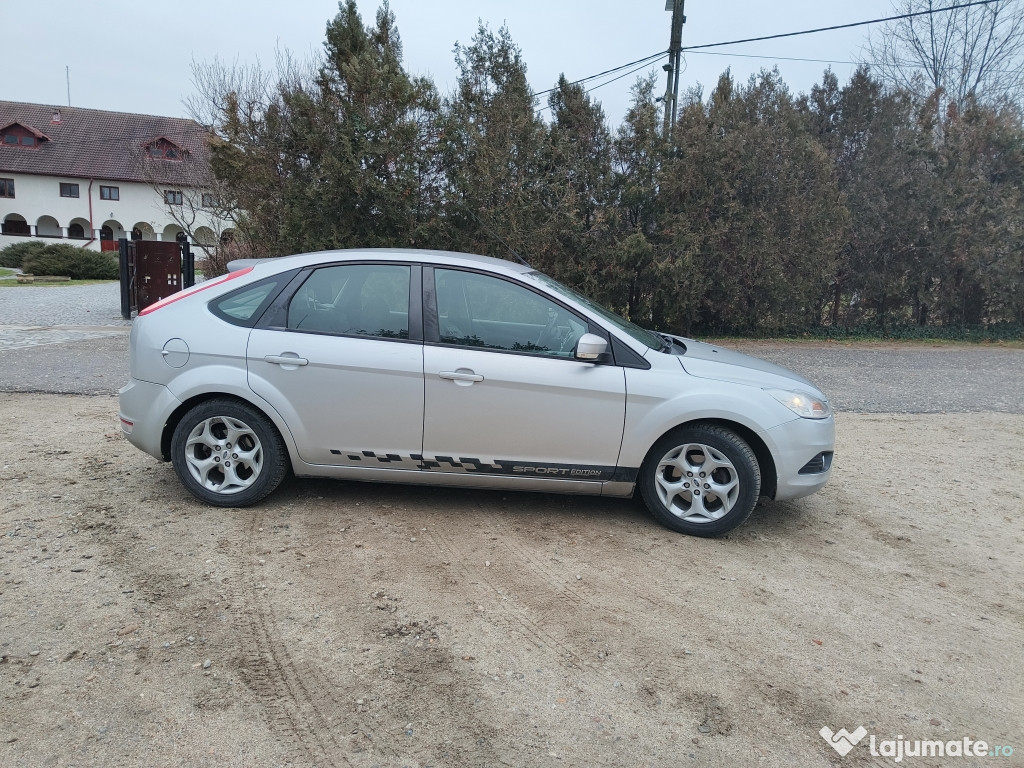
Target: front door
503 391
345 374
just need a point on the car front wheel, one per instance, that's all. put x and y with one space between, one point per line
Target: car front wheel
702 480
228 454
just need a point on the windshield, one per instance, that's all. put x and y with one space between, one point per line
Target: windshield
647 338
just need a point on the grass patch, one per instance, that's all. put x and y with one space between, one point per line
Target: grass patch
995 333
16 284
6 272
861 341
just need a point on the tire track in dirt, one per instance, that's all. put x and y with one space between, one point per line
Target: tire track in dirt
270 672
508 615
410 655
302 698
576 596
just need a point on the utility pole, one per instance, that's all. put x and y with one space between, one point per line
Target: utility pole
675 55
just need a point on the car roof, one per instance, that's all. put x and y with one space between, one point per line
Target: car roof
451 258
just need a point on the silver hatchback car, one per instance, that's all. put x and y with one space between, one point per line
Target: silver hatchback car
460 370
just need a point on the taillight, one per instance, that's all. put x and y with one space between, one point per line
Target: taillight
194 289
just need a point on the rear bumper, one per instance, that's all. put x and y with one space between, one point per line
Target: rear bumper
796 443
144 408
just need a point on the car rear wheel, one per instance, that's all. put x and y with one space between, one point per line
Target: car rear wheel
228 454
702 480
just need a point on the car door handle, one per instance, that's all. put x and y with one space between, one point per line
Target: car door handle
286 360
463 374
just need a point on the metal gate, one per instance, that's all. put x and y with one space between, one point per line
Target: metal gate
151 271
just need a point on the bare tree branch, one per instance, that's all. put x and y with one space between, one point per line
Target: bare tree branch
966 52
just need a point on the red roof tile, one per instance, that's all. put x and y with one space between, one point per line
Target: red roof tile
96 144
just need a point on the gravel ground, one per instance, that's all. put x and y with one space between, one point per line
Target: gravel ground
347 624
905 378
354 625
80 357
89 305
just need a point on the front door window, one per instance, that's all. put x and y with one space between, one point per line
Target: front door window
477 310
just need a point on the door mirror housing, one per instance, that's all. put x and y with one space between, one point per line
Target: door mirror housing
591 347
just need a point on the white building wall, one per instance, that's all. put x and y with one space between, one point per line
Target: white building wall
37 196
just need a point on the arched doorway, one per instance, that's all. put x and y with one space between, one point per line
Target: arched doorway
205 236
47 226
171 232
80 229
143 231
15 224
111 230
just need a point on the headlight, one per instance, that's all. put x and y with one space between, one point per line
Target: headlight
804 405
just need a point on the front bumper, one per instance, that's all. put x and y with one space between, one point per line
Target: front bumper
795 444
144 408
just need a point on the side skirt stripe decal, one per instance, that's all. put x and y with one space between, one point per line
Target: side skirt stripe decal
487 466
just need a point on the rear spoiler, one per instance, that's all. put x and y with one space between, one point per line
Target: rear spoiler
237 264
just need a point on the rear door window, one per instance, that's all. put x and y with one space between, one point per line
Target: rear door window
354 300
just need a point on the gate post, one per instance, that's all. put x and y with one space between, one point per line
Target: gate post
188 266
126 296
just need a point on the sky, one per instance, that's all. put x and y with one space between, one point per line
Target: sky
136 55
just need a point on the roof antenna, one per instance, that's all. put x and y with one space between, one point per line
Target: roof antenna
67 74
497 237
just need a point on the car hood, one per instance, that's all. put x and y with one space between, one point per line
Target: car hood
708 361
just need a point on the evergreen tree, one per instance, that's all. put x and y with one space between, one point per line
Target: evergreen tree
576 193
853 204
491 151
755 202
632 271
336 158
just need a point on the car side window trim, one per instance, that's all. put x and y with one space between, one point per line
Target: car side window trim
276 316
431 321
416 303
431 326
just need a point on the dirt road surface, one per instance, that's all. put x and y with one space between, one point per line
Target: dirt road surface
342 624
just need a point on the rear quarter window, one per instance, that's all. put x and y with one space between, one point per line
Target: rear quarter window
245 305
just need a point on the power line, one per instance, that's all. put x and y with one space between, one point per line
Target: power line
644 61
774 58
699 48
767 57
599 85
608 82
929 12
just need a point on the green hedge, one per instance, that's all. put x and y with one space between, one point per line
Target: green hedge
972 333
72 261
12 256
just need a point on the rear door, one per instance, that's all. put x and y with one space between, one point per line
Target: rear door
503 392
343 364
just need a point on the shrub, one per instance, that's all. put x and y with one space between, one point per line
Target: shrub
12 256
77 263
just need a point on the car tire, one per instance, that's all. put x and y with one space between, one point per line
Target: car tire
228 454
681 498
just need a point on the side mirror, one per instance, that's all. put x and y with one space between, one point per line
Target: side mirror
590 347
